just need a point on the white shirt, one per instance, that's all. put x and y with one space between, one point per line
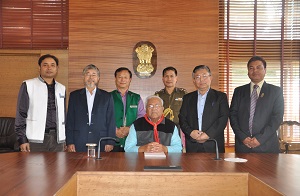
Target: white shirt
90 102
200 108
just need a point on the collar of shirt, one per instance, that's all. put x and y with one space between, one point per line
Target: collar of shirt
175 90
260 84
205 94
162 122
42 80
88 92
121 93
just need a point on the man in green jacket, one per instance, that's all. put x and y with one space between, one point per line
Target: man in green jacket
128 106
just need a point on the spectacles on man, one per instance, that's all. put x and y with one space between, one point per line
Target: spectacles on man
204 77
150 107
91 75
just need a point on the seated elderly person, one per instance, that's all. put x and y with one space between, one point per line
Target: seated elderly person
153 132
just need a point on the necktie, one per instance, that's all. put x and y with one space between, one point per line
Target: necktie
156 135
252 106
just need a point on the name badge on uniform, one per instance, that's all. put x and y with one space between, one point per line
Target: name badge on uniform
178 99
61 96
133 106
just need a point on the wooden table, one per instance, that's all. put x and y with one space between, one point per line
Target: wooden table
45 173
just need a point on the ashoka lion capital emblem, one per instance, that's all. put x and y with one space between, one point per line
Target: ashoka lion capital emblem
145 51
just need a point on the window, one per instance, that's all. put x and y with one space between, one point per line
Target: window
267 28
34 24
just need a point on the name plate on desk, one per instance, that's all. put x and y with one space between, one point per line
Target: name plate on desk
162 168
154 155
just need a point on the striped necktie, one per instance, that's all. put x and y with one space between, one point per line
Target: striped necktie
252 106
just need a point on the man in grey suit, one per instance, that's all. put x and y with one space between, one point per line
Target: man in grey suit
90 114
204 114
260 136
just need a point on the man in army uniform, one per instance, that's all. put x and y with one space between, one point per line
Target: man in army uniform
171 95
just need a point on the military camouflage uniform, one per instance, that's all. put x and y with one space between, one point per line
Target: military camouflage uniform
172 103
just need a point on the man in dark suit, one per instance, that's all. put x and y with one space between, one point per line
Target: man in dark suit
90 114
204 114
260 136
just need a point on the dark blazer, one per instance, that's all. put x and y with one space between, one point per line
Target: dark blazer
267 118
214 120
78 131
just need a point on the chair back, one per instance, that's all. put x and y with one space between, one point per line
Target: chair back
289 136
8 137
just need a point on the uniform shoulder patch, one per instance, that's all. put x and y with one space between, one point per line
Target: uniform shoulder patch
158 92
182 89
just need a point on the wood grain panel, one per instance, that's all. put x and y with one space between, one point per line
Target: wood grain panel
16 68
154 183
70 188
258 187
161 183
104 32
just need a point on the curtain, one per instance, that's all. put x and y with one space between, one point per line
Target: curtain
34 24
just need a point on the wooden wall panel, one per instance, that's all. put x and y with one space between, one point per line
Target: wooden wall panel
104 32
161 183
20 65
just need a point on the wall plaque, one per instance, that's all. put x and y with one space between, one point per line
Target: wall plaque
144 59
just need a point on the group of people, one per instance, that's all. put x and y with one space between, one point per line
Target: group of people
171 114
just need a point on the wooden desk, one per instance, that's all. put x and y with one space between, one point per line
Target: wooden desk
45 173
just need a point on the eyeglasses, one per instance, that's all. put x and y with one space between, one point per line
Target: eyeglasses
90 75
204 77
150 107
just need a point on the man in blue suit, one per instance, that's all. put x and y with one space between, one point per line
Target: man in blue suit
90 114
260 136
